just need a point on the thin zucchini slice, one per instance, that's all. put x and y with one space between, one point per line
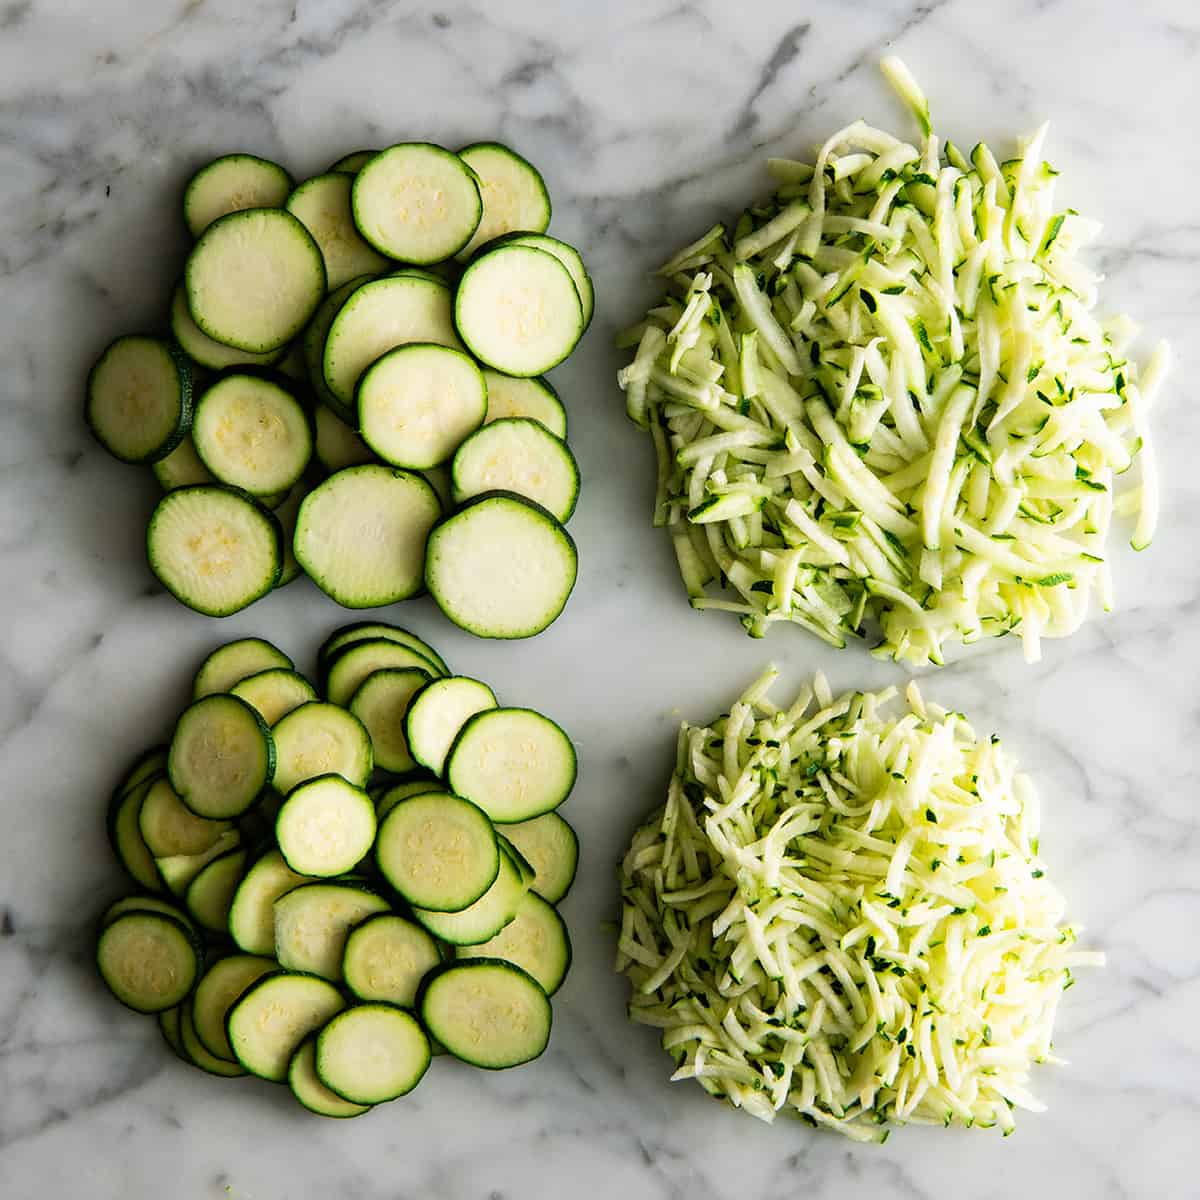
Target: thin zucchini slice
168 827
218 991
148 960
418 402
181 468
385 959
509 396
487 916
551 846
313 344
311 1092
353 162
372 1053
168 1026
286 515
125 835
201 349
254 278
210 894
149 762
389 797
214 548
381 702
139 398
252 913
521 456
274 1016
571 259
438 852
231 183
320 739
438 712
194 1050
517 310
323 205
361 631
535 940
501 567
417 202
178 871
274 693
221 757
514 193
361 534
252 434
513 762
487 1012
326 827
346 671
337 444
153 904
234 661
379 316
313 921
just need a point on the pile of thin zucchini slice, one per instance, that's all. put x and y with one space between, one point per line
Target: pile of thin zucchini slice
337 884
353 373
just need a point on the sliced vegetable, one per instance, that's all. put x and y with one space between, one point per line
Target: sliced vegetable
323 205
535 940
509 396
381 702
514 193
201 349
252 913
229 664
488 915
313 921
231 183
320 739
372 1053
218 991
267 1025
325 827
438 712
551 846
311 1092
385 959
348 668
210 894
274 693
148 960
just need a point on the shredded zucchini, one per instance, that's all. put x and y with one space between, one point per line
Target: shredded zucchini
886 399
840 914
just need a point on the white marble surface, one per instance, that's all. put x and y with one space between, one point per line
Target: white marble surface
648 119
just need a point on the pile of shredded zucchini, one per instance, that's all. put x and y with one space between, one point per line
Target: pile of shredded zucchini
842 914
883 400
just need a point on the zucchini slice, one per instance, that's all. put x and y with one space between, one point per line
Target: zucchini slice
514 193
125 835
214 548
252 913
361 631
535 940
379 316
437 851
139 398
168 827
221 757
372 1053
513 762
501 567
178 871
387 798
181 468
274 693
349 667
326 827
509 396
229 184
337 445
153 904
353 162
229 664
311 1092
252 434
385 959
195 1052
487 916
313 921
323 205
487 1012
148 960
437 713
521 456
210 894
360 535
320 739
551 847
381 703
201 349
517 310
286 515
274 1016
417 202
149 762
254 278
571 259
168 1026
218 991
418 402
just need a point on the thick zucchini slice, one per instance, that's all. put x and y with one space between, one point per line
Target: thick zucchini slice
372 1053
551 846
514 193
139 398
320 739
323 205
487 1012
148 960
274 693
360 535
437 714
439 852
381 702
326 827
266 1026
535 940
218 991
313 921
311 1092
386 957
229 184
501 567
234 661
535 398
417 202
513 762
252 913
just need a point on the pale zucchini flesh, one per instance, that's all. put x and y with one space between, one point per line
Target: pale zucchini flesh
274 693
514 193
148 960
437 714
347 668
202 349
234 661
231 183
487 916
534 397
372 1053
323 205
381 703
551 847
320 739
252 912
570 258
313 921
210 895
385 959
218 991
182 467
274 1016
326 826
311 1092
361 631
535 940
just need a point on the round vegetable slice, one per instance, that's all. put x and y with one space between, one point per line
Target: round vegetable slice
362 631
274 693
231 183
320 739
229 664
437 714
210 894
195 1052
312 923
551 847
514 193
252 913
313 346
148 960
386 957
201 349
381 703
326 826
323 205
570 258
218 991
353 162
338 445
349 667
311 1092
488 915
274 1016
509 396
535 940
181 468
372 1053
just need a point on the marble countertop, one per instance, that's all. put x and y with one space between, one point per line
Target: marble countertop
648 118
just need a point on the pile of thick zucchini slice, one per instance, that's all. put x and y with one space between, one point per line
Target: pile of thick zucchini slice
353 374
339 883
